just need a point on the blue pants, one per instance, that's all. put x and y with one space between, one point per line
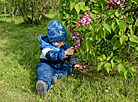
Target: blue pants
46 71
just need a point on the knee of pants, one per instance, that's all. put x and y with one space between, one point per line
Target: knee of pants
45 73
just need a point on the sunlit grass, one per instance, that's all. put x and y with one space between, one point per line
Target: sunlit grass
19 55
18 19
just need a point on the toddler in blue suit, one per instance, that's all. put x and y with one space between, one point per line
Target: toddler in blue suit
55 52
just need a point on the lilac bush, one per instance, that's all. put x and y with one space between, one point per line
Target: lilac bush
102 36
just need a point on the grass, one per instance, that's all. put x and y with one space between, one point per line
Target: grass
19 55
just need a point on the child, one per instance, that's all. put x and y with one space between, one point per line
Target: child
55 52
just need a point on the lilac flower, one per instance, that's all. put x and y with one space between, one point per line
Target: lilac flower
106 7
84 20
78 24
118 2
115 3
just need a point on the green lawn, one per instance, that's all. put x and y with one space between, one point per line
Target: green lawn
19 55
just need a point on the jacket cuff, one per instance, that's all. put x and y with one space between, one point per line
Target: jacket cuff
65 56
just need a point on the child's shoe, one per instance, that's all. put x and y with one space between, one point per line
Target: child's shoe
54 79
41 87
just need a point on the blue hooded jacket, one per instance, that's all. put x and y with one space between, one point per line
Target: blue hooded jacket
52 55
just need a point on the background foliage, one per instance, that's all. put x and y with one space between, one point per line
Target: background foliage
30 10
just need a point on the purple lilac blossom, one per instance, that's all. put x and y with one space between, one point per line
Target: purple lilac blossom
85 20
115 3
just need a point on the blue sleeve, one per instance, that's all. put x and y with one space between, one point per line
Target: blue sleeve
55 56
72 60
65 46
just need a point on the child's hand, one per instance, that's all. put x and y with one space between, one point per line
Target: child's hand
77 66
69 51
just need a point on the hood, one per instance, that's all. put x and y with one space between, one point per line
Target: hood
43 41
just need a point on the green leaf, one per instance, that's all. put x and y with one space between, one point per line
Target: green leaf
64 5
126 75
92 52
107 27
132 29
117 59
136 48
121 69
100 66
102 57
72 5
113 64
133 38
88 44
114 25
131 67
103 35
122 26
129 19
98 35
106 91
98 10
91 28
135 1
101 4
118 21
116 45
123 39
118 13
109 57
87 8
111 11
107 67
77 7
131 74
93 1
120 33
90 38
114 38
131 44
82 5
93 16
136 23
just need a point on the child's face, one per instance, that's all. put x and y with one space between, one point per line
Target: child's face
59 44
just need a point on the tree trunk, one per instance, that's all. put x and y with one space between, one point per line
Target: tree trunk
13 10
25 11
32 12
5 11
16 12
21 12
8 7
